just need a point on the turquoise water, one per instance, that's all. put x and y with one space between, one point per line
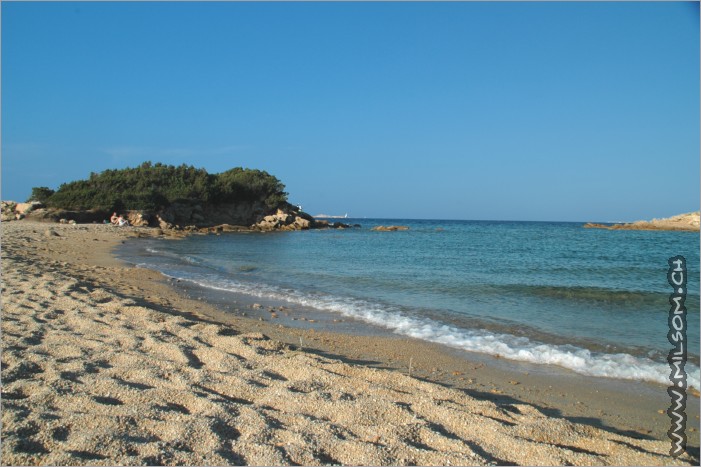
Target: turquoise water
590 300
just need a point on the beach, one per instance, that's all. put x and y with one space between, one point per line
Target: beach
105 364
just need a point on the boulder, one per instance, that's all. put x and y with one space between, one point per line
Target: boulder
282 220
26 208
390 228
7 211
163 224
140 218
302 223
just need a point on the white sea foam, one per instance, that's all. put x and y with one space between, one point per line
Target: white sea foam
580 360
179 257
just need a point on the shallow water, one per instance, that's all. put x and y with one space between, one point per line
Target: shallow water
590 300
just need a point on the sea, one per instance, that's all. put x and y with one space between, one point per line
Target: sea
556 294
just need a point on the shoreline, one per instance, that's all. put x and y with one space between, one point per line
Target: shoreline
483 380
623 406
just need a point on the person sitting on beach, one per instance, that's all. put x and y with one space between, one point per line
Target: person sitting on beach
121 221
114 219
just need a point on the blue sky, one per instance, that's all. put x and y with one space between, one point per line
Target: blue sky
510 111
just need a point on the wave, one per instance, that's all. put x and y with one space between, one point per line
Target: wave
177 256
519 348
589 294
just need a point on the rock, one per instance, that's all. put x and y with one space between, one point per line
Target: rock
72 222
7 211
302 223
686 222
231 228
63 221
163 224
55 215
51 233
26 208
390 228
283 220
140 218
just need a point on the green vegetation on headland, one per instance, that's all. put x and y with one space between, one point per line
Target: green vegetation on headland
172 198
157 186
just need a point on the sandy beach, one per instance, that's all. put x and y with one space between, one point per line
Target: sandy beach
106 364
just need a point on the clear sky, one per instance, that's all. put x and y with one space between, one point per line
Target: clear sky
508 111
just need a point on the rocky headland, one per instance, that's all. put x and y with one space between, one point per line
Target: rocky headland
688 222
182 217
171 199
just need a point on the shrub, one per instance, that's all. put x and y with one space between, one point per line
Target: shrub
41 194
155 186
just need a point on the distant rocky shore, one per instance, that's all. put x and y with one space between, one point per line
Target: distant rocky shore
181 218
688 222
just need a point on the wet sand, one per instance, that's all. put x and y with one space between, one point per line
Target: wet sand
108 364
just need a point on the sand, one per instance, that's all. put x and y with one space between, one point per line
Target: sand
103 364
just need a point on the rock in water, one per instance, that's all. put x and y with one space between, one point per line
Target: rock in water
390 228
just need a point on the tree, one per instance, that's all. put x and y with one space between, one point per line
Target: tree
41 194
156 186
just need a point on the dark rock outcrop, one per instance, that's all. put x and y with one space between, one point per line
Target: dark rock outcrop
390 228
55 215
187 217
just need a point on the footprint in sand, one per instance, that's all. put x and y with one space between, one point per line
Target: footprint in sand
107 400
173 407
60 434
25 370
